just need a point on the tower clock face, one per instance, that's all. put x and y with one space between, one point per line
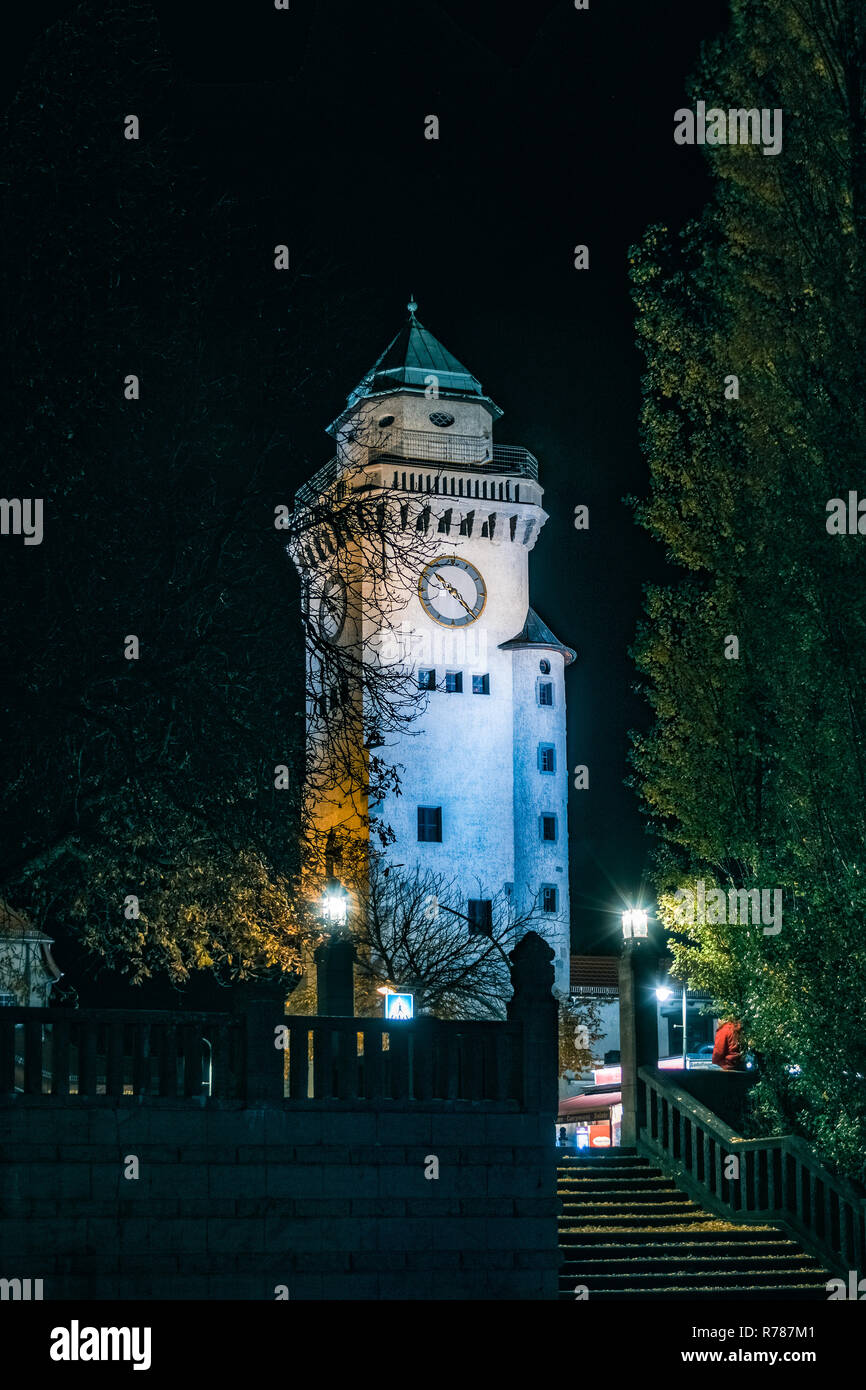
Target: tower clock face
452 591
332 608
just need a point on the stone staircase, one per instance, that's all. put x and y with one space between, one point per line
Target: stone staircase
627 1231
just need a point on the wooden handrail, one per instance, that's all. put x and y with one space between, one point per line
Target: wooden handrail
778 1179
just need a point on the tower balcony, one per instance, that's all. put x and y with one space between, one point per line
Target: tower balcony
463 450
466 452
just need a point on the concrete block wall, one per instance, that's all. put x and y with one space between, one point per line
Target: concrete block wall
231 1202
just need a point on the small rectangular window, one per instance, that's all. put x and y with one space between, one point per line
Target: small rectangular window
480 916
481 685
426 680
546 757
545 692
548 898
454 682
548 827
430 823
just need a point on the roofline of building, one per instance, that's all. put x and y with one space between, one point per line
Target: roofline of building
514 644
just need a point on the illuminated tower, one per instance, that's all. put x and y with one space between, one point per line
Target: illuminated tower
483 771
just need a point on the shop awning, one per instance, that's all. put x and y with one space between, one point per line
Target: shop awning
575 1106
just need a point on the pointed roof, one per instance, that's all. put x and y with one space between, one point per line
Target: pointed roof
412 356
536 633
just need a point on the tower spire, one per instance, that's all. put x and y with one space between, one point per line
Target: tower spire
412 306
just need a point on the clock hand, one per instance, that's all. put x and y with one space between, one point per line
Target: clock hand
455 593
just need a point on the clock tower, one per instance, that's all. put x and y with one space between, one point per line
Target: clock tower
482 769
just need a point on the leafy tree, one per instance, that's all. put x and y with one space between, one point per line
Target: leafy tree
163 655
752 773
142 805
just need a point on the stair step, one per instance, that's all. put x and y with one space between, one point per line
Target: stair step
597 1165
596 1187
799 1293
696 1278
611 1197
588 1165
643 1237
652 1207
605 1155
627 1231
677 1260
683 1250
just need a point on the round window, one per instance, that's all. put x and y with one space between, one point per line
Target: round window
544 667
441 419
385 421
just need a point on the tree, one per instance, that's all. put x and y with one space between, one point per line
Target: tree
153 749
752 775
162 652
408 936
579 1027
360 547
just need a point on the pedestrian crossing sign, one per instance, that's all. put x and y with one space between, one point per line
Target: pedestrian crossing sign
399 1006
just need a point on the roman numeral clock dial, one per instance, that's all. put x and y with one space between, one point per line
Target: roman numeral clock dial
452 591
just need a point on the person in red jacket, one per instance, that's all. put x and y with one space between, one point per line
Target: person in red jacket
729 1050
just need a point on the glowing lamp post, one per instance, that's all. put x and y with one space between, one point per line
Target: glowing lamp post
335 973
335 903
638 1025
634 924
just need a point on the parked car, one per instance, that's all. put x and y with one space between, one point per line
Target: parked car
704 1055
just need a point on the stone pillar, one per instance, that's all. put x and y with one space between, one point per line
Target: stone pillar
627 1047
335 977
638 1031
533 1004
261 1004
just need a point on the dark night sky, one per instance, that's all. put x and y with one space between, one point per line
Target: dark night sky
556 128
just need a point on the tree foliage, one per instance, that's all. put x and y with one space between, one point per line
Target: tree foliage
752 773
151 777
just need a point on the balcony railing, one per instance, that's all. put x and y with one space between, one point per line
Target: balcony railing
467 451
463 450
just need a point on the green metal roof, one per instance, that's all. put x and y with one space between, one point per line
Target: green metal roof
536 633
410 358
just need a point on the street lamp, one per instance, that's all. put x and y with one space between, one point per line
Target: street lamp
335 984
335 903
634 924
638 1020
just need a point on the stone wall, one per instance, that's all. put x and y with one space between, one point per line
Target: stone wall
232 1201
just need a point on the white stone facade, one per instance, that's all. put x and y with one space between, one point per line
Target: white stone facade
493 760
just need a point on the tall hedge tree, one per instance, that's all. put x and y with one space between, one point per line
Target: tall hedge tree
753 773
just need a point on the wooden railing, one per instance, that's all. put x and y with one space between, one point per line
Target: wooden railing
425 1060
119 1052
776 1179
